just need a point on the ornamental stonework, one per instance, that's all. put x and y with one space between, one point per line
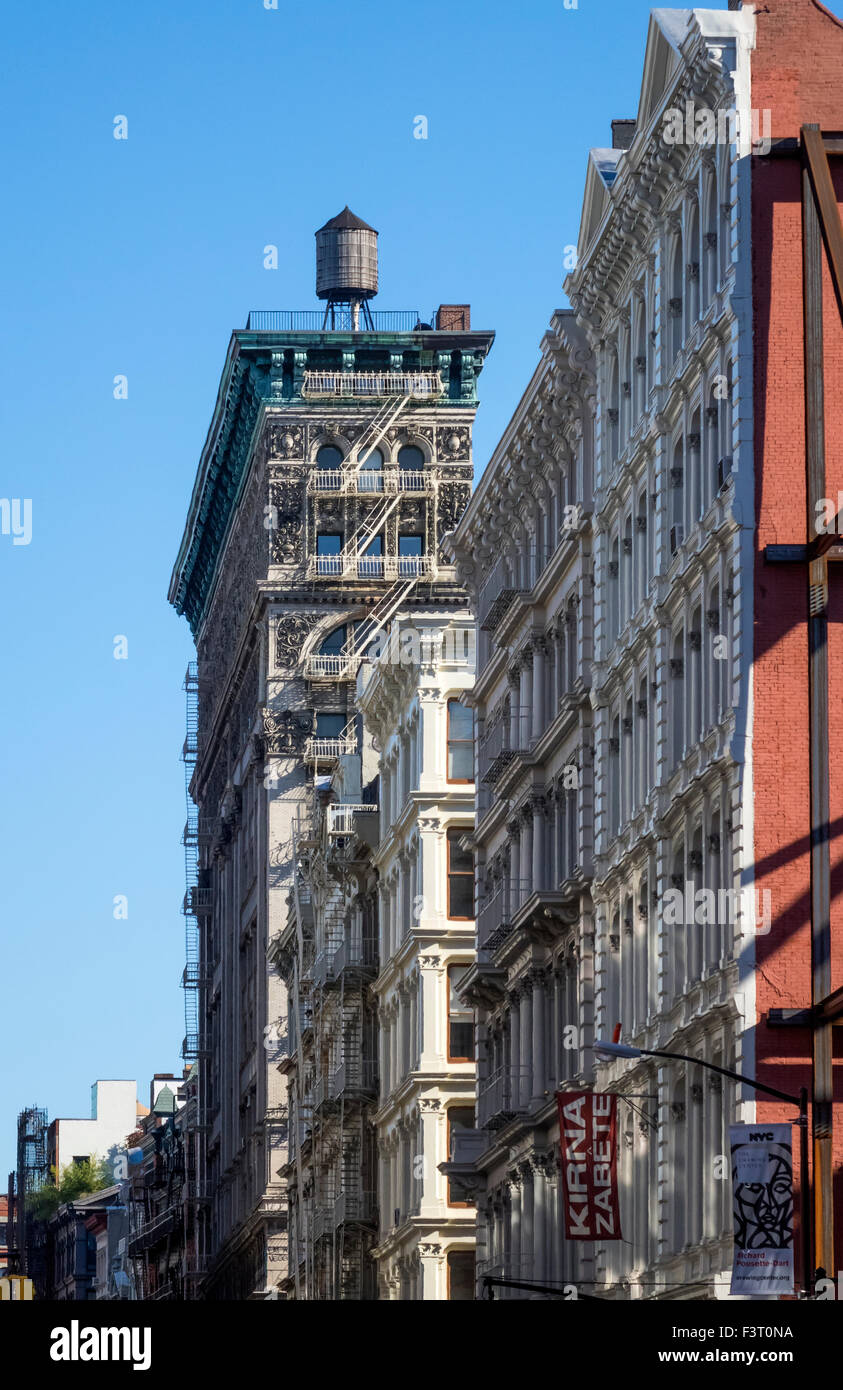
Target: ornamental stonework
284 732
245 565
290 636
285 441
453 500
287 515
453 442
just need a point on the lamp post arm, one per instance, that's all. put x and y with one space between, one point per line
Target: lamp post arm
725 1071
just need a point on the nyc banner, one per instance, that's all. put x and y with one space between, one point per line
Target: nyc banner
588 1129
762 1204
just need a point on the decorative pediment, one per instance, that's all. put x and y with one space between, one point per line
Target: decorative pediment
662 58
600 174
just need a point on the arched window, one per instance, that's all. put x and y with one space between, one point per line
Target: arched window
714 856
627 789
615 776
613 1000
677 916
674 303
724 191
639 364
677 698
709 230
627 592
370 477
641 567
695 683
625 423
677 497
411 458
696 929
613 414
571 641
614 585
334 643
329 456
627 964
724 429
642 990
692 266
693 463
679 1164
642 711
715 661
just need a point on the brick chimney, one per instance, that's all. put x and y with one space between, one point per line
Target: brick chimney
623 134
453 318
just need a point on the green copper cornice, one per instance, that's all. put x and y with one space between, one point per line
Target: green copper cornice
265 369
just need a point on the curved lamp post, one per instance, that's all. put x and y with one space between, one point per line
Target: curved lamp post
613 1049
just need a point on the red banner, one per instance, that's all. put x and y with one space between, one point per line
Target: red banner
588 1129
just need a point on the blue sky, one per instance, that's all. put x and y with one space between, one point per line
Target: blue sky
247 126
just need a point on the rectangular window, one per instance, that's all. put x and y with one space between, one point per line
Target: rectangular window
410 549
330 725
460 1025
460 877
461 1276
459 1117
460 743
370 564
328 548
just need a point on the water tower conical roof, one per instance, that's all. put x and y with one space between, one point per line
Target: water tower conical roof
346 221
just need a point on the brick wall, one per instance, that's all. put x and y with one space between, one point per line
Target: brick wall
796 75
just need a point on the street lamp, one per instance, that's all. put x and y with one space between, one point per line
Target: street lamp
616 1049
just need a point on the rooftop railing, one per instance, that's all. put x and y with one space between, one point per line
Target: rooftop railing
313 321
370 480
420 385
371 567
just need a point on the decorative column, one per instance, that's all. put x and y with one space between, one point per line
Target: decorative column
514 1096
432 985
539 978
538 807
527 1224
433 1272
526 1020
514 679
539 654
526 701
511 1269
527 861
514 829
541 1213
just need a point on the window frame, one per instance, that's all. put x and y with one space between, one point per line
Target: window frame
462 965
449 1111
450 834
456 781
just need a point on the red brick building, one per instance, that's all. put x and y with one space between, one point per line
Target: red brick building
797 75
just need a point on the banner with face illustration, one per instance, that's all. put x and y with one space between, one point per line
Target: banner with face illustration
762 1205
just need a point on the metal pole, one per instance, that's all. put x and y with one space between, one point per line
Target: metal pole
805 1196
818 712
804 1184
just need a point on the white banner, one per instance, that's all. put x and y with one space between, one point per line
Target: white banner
762 1205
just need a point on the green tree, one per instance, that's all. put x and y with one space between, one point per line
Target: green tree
76 1180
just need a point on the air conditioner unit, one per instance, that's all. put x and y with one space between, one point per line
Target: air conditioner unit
677 536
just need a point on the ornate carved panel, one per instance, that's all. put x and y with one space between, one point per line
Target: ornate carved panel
290 635
453 500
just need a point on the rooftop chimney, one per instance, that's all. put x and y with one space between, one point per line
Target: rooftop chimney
453 318
623 133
